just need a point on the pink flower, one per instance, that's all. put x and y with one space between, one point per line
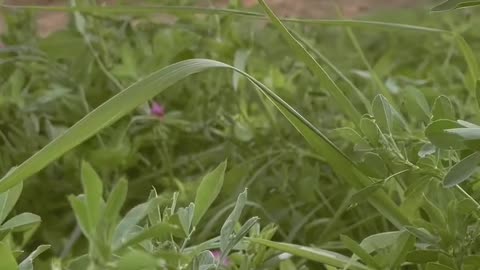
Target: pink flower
217 255
157 110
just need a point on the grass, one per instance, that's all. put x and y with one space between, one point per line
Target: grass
355 141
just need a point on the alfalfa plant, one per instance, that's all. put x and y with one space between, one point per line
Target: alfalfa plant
156 234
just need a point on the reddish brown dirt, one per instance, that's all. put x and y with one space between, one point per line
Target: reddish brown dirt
49 22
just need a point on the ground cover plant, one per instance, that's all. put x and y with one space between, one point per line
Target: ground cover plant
351 144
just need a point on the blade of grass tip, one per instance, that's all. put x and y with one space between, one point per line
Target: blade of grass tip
323 58
143 90
342 101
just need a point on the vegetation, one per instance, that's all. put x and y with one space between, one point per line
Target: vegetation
356 140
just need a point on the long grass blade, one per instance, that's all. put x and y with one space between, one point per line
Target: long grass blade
340 98
142 91
339 73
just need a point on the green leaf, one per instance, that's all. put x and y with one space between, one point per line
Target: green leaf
454 4
21 222
8 199
114 204
227 228
442 109
404 244
81 214
417 104
371 130
461 171
314 254
208 191
155 216
468 133
467 124
350 135
436 133
80 22
238 237
160 231
136 259
131 219
342 101
27 263
380 241
204 261
93 188
382 111
7 260
359 251
185 215
426 150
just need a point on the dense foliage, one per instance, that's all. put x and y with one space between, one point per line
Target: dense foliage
355 140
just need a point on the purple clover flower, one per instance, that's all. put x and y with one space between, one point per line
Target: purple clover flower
217 254
157 110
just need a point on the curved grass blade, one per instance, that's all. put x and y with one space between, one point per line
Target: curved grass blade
359 252
323 58
340 98
142 91
105 115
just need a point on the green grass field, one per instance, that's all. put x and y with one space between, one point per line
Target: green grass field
234 139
